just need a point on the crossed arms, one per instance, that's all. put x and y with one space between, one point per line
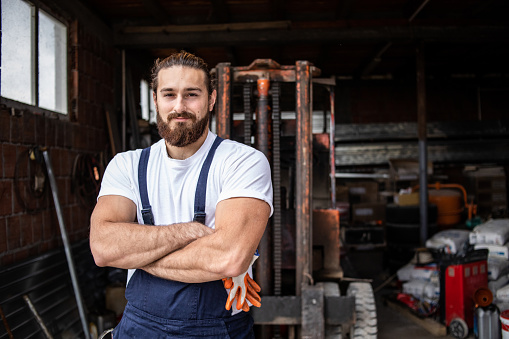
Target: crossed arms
186 252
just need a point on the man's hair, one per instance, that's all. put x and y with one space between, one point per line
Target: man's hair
183 59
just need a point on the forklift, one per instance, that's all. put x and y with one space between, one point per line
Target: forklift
304 294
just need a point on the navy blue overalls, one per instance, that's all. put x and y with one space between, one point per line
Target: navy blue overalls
159 308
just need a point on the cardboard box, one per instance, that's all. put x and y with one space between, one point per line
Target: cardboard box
363 191
408 199
368 212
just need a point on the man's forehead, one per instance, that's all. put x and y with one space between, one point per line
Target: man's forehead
176 73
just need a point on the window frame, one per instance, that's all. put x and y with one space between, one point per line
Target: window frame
17 107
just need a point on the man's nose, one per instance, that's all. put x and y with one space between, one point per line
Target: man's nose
179 105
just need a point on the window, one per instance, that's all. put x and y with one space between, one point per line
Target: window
34 57
148 109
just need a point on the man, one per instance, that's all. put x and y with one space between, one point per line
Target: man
176 289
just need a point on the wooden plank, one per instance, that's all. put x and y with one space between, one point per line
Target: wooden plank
428 324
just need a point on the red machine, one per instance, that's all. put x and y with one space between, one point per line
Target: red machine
460 279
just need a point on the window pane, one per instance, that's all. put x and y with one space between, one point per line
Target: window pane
17 62
52 64
144 100
152 108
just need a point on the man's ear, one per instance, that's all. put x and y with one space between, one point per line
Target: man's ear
212 100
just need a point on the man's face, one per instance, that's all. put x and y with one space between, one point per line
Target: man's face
183 105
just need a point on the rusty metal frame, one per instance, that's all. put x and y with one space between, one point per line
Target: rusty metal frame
311 308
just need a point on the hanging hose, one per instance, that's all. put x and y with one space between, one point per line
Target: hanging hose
86 179
34 192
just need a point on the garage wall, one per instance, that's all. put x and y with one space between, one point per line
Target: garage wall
29 233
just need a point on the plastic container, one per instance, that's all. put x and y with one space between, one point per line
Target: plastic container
504 322
487 325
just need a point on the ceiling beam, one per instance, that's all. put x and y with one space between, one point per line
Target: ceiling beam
400 34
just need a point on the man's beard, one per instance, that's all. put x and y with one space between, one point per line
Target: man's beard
181 135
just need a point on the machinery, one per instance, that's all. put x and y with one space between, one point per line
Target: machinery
299 267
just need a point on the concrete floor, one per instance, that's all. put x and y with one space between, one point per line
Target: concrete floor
393 323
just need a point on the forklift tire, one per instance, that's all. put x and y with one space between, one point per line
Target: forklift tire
365 326
458 328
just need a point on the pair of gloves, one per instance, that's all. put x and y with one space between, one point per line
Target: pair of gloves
243 288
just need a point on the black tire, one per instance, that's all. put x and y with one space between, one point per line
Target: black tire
365 326
458 328
409 214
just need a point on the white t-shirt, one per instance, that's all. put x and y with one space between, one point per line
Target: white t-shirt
236 170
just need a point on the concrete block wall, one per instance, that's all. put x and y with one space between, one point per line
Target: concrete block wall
82 131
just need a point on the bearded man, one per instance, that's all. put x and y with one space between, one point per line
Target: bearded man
184 216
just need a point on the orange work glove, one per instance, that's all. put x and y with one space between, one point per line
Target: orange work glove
243 287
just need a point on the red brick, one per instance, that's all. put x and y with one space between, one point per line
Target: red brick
9 159
62 194
37 225
21 255
48 231
60 133
40 130
6 196
50 140
5 126
28 128
26 234
16 129
3 235
13 233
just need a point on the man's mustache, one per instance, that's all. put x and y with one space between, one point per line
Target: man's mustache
185 115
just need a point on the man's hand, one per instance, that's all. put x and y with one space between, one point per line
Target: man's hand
243 287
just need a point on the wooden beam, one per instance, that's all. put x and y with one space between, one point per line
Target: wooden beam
189 36
240 26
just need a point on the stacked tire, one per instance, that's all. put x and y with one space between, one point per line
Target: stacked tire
403 232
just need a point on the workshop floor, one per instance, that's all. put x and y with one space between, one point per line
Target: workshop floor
393 323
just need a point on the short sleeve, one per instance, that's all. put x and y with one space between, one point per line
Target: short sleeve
118 178
247 174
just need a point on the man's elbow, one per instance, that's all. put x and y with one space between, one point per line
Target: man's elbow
235 267
99 258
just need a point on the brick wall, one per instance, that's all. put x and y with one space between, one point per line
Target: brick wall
82 132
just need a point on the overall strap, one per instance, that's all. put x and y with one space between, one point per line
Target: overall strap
201 187
146 210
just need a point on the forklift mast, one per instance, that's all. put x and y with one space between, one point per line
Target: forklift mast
315 307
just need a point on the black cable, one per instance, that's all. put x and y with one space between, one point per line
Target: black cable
86 179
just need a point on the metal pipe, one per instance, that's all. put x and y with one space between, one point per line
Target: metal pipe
332 146
65 240
423 155
363 175
262 143
418 10
223 100
303 175
37 317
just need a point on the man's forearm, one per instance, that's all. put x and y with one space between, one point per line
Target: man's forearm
197 262
131 245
